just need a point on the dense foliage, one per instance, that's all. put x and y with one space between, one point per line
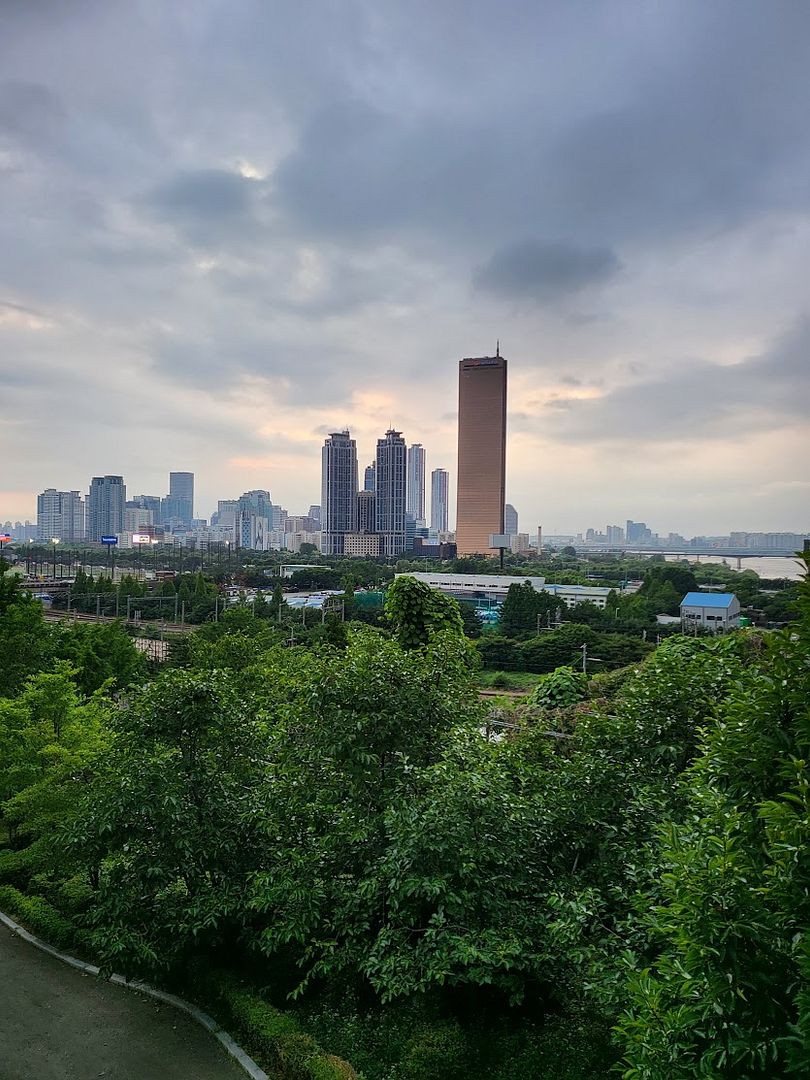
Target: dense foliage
332 825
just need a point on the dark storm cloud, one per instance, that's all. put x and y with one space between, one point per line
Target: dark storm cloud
206 204
698 134
531 270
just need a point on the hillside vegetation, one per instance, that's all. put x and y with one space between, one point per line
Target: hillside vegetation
327 846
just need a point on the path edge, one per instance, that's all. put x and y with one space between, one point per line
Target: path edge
220 1034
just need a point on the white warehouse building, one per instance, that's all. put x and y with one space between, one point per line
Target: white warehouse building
496 586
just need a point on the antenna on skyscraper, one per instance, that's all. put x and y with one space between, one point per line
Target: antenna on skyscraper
498 348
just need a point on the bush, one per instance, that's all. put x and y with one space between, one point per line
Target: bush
15 866
608 684
38 916
561 688
436 1052
276 1039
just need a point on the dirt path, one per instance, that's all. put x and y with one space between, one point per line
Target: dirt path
58 1024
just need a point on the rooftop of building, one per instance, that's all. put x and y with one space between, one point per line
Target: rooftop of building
708 600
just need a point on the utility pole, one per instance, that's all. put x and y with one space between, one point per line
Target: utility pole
585 658
98 607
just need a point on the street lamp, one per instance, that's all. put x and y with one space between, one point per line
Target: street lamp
54 541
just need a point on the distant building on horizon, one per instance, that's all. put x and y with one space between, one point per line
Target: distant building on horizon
439 500
370 477
415 491
60 515
636 532
338 491
510 520
179 503
152 503
105 506
481 490
391 471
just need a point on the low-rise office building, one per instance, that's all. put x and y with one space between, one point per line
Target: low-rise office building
494 587
474 586
580 594
717 612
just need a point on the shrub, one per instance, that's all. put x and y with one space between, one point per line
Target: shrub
15 866
277 1040
38 916
561 688
607 684
436 1052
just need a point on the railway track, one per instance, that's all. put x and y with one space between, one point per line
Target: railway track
79 616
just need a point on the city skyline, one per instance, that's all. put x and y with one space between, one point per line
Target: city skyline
294 225
581 527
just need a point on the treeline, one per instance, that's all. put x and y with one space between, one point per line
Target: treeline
622 885
562 646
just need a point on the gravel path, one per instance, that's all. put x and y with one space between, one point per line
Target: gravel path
58 1024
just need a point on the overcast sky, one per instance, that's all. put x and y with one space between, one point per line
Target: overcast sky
228 227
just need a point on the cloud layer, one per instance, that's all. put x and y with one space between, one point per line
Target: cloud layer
226 229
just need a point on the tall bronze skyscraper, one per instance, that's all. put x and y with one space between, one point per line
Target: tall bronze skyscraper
481 452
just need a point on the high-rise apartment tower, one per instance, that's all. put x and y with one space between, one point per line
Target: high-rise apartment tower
481 452
415 492
105 506
391 473
338 491
60 515
438 500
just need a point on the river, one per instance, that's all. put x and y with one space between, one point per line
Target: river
767 566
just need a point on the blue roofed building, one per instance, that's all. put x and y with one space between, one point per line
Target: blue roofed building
717 612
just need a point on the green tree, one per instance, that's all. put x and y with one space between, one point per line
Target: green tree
49 739
169 829
416 612
470 618
317 578
725 992
99 654
25 643
523 607
355 726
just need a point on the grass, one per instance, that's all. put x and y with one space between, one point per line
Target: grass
508 680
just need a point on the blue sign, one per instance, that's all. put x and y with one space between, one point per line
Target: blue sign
110 541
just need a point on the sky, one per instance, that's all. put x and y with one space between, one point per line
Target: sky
229 227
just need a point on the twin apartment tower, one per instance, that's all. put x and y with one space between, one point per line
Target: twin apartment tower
374 522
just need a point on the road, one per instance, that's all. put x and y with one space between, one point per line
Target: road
59 1024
